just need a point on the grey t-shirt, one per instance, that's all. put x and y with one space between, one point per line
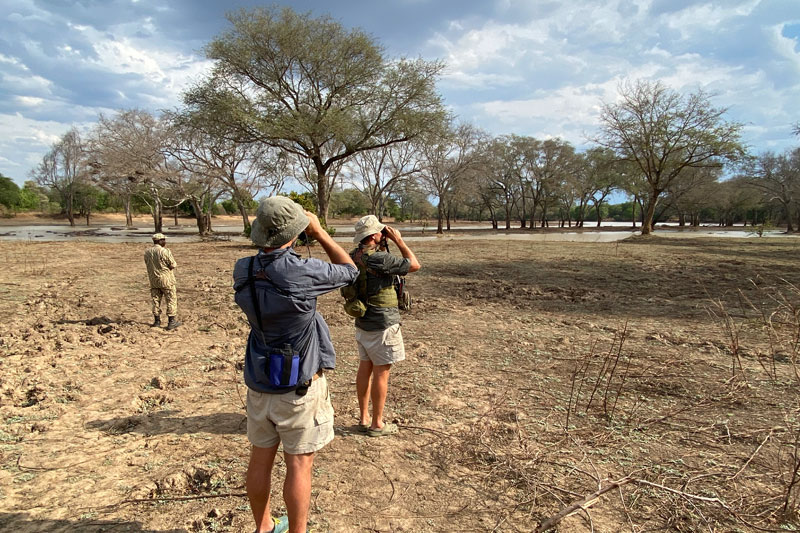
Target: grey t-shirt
386 266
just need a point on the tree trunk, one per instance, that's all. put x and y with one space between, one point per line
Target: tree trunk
681 220
647 222
199 216
788 210
323 195
243 212
70 214
158 222
175 215
439 218
128 216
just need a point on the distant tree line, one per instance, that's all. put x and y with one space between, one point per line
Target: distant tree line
292 97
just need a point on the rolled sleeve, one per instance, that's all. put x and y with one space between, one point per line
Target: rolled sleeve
385 263
326 277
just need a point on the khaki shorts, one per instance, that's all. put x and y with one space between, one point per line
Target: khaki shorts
304 424
382 347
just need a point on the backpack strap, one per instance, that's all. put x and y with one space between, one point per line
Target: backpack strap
252 281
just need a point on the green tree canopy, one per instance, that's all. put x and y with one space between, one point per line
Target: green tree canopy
349 202
9 193
312 88
663 132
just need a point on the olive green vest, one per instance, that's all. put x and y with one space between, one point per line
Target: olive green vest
385 297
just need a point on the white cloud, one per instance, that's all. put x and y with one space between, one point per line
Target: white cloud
29 101
570 112
28 84
27 140
706 17
785 47
12 61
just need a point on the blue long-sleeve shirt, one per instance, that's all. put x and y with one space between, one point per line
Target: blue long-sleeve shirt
289 314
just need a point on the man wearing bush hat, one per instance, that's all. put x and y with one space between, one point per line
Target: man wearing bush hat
160 265
378 335
288 348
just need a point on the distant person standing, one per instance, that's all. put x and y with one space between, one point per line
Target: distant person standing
378 335
160 266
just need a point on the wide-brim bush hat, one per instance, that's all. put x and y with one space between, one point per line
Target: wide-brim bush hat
278 221
159 237
368 225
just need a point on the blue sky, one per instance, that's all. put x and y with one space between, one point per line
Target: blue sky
535 67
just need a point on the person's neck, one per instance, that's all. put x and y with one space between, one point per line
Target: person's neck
285 246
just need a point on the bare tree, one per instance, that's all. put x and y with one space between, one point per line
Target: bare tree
63 168
113 155
412 200
128 157
499 185
778 178
543 166
447 157
376 173
695 190
566 194
664 133
604 175
734 199
219 164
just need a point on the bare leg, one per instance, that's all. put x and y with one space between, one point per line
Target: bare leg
380 384
297 489
259 484
363 389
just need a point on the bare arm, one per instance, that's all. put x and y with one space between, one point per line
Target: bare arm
394 235
336 253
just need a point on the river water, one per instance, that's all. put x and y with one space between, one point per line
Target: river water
188 233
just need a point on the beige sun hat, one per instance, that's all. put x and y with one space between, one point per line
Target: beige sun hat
278 220
368 225
159 237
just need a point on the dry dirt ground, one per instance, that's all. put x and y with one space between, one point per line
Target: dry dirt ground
652 381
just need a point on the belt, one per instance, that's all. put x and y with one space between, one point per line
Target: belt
303 389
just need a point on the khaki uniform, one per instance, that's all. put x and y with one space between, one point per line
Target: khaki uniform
160 265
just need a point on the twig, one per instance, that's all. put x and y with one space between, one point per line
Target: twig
436 431
581 504
184 498
625 508
752 456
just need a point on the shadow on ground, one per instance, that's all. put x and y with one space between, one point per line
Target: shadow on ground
164 422
22 523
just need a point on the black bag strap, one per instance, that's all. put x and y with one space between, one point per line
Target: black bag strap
252 280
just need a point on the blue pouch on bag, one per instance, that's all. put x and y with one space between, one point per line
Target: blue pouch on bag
284 367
